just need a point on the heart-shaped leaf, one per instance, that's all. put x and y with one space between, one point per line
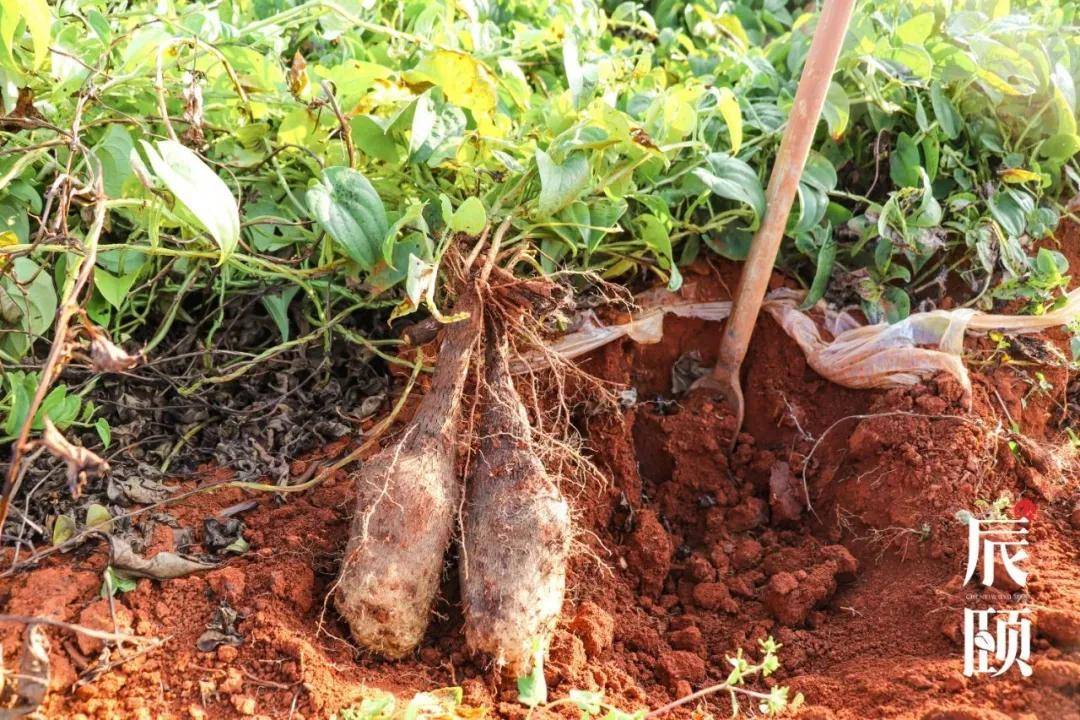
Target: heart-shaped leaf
347 207
733 179
560 185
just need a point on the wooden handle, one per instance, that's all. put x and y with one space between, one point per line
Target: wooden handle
784 182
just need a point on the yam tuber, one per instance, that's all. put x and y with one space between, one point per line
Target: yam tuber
406 510
516 527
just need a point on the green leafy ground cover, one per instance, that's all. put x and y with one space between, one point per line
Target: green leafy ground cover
312 162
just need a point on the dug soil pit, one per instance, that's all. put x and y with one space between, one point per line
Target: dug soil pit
831 526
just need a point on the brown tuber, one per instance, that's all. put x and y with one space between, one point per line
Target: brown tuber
516 526
407 502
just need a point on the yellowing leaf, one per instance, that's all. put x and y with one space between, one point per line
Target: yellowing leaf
731 26
63 529
39 24
98 516
463 79
1018 175
1065 115
837 110
297 128
7 238
729 109
995 82
916 30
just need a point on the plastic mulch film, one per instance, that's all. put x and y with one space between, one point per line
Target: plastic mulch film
837 345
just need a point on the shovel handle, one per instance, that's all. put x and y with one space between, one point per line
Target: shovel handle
783 183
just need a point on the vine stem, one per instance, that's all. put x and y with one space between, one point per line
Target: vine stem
80 629
69 306
702 693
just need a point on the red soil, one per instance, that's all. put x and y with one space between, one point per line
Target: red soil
687 554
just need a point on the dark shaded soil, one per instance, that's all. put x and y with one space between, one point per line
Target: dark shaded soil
687 553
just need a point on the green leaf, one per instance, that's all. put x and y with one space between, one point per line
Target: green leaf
946 114
837 110
812 206
817 181
733 179
199 189
577 219
114 154
113 582
22 387
733 245
603 216
38 19
299 127
1060 147
470 218
588 702
60 407
825 259
387 276
915 59
560 185
114 289
897 304
904 162
532 688
100 24
658 240
372 139
1051 263
347 207
277 306
104 431
27 304
239 546
931 150
1009 214
920 115
437 130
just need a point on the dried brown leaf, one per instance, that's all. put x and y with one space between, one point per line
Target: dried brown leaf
82 464
163 566
106 356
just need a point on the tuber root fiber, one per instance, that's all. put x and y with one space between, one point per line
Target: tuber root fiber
407 505
516 526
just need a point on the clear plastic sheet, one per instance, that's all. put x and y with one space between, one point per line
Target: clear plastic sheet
836 344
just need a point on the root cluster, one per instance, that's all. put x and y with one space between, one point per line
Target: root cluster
515 522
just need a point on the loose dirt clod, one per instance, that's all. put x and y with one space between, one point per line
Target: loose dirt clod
407 499
516 527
